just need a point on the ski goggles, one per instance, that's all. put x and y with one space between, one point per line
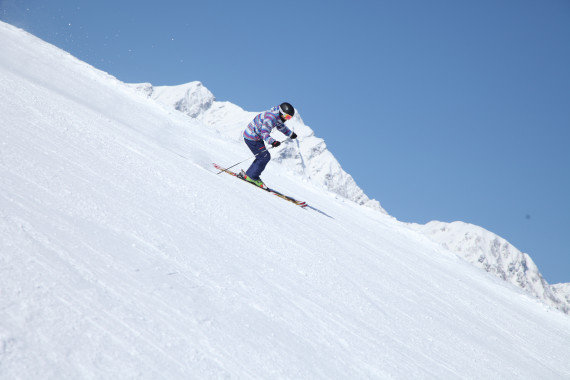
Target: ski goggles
284 115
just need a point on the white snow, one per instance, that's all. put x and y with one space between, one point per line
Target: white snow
123 255
495 255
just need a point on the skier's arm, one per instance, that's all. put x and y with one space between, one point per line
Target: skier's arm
265 131
286 131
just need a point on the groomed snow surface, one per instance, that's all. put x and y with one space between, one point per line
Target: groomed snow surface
124 256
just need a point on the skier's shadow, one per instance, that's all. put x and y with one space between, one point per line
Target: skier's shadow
319 211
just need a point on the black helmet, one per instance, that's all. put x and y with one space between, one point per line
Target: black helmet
286 109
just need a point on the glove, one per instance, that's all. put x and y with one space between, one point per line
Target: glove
293 136
275 144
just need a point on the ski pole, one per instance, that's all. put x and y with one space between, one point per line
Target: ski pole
228 168
249 158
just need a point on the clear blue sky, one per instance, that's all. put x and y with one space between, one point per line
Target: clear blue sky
442 110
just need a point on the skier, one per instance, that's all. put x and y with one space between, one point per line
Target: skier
259 131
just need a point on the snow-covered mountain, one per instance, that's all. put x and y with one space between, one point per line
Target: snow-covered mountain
562 291
495 255
308 157
123 255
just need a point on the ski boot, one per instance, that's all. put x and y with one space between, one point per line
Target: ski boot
247 178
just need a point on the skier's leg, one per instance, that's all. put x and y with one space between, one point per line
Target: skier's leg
261 159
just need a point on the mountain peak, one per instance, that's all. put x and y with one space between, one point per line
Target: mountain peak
190 98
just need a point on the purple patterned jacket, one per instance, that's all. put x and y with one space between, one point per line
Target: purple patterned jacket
262 125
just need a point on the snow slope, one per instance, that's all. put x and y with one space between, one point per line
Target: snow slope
123 255
310 160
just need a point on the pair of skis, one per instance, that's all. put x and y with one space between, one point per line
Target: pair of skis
274 192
